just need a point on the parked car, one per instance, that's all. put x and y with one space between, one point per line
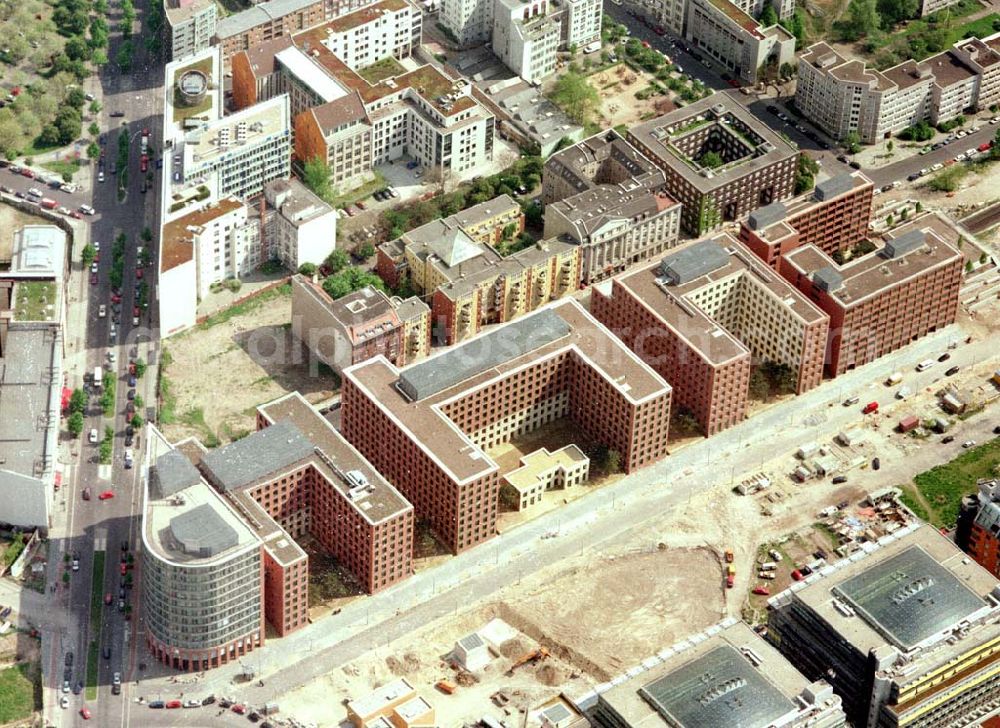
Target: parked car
876 464
969 443
840 479
156 704
106 495
85 494
951 372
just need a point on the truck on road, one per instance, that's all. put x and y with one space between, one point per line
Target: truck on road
48 204
98 377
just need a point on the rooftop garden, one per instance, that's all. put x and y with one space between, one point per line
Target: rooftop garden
388 67
35 301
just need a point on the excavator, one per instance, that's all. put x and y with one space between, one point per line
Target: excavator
527 658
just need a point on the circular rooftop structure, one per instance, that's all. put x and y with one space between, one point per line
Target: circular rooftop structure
192 85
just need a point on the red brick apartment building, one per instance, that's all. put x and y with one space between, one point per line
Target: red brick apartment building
703 316
426 427
834 216
885 299
978 531
295 476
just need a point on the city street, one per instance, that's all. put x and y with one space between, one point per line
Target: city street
596 521
81 527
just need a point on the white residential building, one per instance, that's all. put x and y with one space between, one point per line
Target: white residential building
734 39
843 96
366 36
526 37
581 22
298 227
470 21
190 26
244 151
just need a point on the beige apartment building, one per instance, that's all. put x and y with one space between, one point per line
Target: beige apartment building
842 96
606 197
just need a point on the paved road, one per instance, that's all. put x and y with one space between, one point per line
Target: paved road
85 526
593 522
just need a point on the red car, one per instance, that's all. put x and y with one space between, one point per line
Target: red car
25 172
107 598
239 709
135 311
123 568
106 495
115 298
797 575
173 704
761 590
75 215
659 30
360 205
85 713
138 273
93 279
645 44
734 83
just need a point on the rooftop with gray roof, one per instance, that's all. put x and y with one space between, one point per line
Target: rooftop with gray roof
910 591
256 456
30 390
257 15
202 532
724 676
172 473
422 419
484 352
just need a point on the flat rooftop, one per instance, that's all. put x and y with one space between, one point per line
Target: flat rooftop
311 74
260 454
380 501
563 327
725 677
541 462
877 271
702 264
910 591
27 408
656 135
258 14
177 241
178 12
251 125
431 84
381 698
365 15
193 524
777 220
39 252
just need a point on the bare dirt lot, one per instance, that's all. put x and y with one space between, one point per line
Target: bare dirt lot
617 86
605 615
10 220
250 357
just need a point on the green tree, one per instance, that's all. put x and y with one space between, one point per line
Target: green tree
712 160
366 251
140 367
93 151
75 424
124 56
768 16
759 387
336 261
78 401
853 142
87 255
995 149
49 136
890 146
896 11
95 107
575 96
136 421
307 269
351 279
316 176
862 20
146 234
140 403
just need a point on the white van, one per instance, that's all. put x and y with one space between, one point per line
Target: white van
128 458
925 364
86 209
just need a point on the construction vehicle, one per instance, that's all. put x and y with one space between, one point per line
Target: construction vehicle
729 556
445 687
528 658
730 576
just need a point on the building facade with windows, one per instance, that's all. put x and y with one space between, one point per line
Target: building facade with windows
243 151
733 38
190 26
606 197
429 427
978 530
882 300
834 217
362 324
844 96
704 316
203 573
720 162
297 226
384 29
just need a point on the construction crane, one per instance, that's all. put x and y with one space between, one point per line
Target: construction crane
528 658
